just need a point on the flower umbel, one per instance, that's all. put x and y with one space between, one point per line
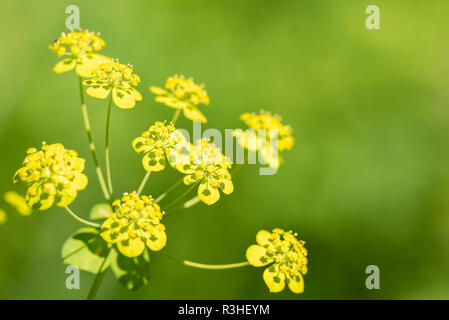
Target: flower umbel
135 222
287 255
18 202
253 141
209 166
181 93
118 78
53 175
157 143
79 46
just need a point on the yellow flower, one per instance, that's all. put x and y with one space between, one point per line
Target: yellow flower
135 222
118 78
181 93
208 166
79 46
272 125
18 202
157 143
287 256
3 216
53 175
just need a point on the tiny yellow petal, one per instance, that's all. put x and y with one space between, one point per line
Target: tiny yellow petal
130 247
64 65
257 256
274 279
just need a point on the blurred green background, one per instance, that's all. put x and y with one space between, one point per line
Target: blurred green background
366 183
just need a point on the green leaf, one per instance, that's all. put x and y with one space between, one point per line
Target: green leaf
87 250
133 273
100 211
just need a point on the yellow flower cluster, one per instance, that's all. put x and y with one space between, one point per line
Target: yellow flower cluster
157 143
254 141
184 94
53 175
208 166
118 78
18 202
287 255
79 46
135 222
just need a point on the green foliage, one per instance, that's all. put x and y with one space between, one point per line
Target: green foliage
131 272
87 250
100 211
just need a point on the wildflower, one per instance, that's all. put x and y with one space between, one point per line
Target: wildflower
3 216
287 256
157 143
208 166
253 140
181 93
135 222
18 202
119 78
53 175
79 46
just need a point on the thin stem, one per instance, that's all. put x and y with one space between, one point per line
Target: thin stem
215 266
175 116
162 196
91 143
87 223
144 182
209 266
181 196
106 145
98 280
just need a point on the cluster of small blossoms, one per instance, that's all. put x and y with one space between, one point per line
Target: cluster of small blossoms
184 94
76 42
79 46
207 165
287 255
53 175
157 144
258 140
135 222
118 78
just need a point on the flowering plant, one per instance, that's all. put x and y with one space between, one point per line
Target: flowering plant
121 232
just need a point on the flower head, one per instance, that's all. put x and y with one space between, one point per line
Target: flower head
18 202
273 128
112 75
208 166
53 175
181 93
79 46
287 256
157 143
135 222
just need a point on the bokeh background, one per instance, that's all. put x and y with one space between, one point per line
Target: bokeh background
366 183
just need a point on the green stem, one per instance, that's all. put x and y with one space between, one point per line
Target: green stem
162 196
106 145
215 266
144 182
181 196
87 223
209 266
98 280
91 143
175 116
